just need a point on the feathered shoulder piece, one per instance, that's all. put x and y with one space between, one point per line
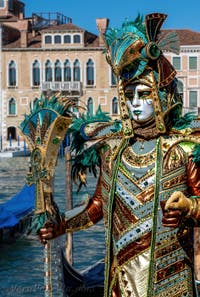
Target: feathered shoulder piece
87 133
189 125
91 128
187 121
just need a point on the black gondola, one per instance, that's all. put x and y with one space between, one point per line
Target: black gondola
88 283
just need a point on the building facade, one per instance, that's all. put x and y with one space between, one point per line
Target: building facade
47 54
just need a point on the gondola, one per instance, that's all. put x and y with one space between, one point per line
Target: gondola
16 215
87 283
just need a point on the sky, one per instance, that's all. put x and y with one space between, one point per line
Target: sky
181 14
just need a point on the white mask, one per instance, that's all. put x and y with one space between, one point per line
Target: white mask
139 102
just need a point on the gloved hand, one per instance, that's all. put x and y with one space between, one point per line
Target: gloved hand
178 206
51 230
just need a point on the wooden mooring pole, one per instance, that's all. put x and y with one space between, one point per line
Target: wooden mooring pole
69 205
197 252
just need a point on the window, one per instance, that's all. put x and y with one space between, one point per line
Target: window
10 4
67 39
90 73
114 106
90 106
176 61
192 63
67 71
12 74
77 38
192 99
76 71
11 134
57 39
48 71
58 71
48 39
36 73
12 107
2 3
180 88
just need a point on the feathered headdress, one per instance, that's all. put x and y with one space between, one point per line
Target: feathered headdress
135 50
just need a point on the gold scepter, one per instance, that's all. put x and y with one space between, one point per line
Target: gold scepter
44 130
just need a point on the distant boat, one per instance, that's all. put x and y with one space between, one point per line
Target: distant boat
6 154
16 215
16 153
21 153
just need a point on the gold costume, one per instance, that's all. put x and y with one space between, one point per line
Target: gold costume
145 158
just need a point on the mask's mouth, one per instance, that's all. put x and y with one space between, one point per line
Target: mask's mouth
137 112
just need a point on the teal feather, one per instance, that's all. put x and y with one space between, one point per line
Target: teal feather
112 35
38 222
85 159
170 42
185 121
41 104
78 138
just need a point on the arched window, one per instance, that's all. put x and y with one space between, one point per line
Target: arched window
180 88
12 107
114 106
10 4
58 71
12 74
57 39
2 3
90 106
90 73
67 71
48 39
11 133
67 39
36 73
76 71
48 71
77 38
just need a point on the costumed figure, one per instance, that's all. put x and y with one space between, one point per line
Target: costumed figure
148 185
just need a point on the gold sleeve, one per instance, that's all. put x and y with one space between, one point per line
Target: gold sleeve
193 177
90 215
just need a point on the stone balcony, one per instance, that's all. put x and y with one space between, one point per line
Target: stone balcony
71 87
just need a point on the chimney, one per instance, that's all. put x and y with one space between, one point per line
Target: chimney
102 25
21 15
24 38
33 33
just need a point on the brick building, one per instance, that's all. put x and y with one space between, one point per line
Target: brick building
48 53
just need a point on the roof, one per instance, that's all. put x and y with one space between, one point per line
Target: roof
63 27
90 39
186 36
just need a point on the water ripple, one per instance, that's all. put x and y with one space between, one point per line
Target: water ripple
21 264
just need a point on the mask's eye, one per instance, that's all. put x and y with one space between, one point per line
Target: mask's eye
144 94
149 101
129 95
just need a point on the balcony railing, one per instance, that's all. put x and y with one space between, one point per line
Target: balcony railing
195 110
68 86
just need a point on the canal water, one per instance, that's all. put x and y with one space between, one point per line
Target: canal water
21 263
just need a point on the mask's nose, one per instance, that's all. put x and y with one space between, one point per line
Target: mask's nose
136 102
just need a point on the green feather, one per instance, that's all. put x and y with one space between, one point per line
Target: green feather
184 121
196 154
